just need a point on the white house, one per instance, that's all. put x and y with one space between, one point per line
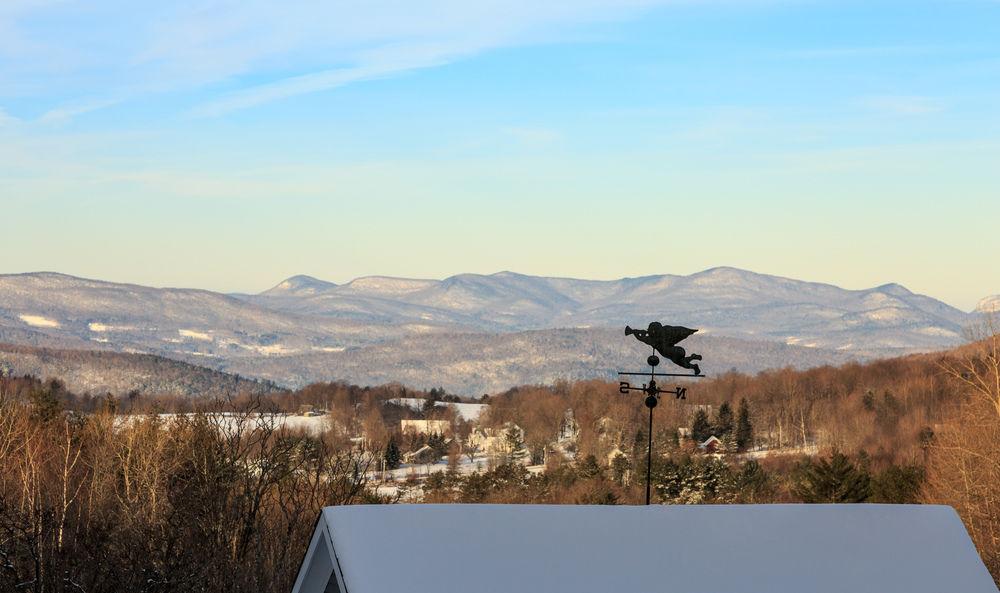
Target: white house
853 548
494 441
416 426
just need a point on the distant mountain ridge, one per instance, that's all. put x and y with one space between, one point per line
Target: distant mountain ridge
306 329
725 301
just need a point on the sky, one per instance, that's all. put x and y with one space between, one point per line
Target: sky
227 144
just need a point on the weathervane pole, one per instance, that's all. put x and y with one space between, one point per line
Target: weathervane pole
649 456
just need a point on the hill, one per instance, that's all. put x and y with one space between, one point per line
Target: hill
473 364
89 371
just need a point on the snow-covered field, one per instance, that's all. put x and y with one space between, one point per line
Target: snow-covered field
314 425
467 412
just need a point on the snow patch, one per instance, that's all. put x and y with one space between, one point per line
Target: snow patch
386 285
100 327
39 321
938 331
195 335
272 349
886 314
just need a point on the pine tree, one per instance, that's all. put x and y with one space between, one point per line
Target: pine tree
393 457
515 442
620 469
832 480
588 468
744 427
701 428
753 484
724 421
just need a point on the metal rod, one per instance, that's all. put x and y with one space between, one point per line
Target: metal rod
662 374
649 456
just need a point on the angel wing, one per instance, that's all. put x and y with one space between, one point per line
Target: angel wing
670 335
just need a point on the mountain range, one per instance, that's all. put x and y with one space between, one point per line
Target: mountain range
473 333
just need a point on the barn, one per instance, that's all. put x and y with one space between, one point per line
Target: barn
619 549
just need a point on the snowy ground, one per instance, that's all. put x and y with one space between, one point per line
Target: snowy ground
391 482
467 412
762 453
314 425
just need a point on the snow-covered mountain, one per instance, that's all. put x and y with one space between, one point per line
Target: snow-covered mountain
306 329
724 301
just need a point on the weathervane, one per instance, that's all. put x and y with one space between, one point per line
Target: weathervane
663 339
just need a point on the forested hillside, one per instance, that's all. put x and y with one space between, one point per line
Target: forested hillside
98 372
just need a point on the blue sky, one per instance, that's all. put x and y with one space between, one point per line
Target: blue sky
229 144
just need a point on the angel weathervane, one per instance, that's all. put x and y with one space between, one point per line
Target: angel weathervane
663 339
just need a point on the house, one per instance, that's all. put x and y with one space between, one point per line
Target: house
425 426
498 442
712 444
310 410
599 549
425 454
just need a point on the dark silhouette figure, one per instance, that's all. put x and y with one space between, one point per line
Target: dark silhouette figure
664 339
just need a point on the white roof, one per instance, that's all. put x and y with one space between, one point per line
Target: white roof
621 549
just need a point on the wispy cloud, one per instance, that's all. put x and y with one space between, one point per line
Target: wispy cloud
903 105
128 50
861 51
7 119
64 113
371 65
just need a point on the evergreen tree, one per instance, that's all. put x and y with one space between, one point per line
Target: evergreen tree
832 480
515 442
589 468
701 428
744 427
393 457
46 404
620 469
439 444
898 485
724 421
753 484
